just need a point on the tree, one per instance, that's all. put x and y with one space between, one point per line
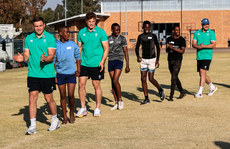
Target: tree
59 12
74 7
20 12
48 15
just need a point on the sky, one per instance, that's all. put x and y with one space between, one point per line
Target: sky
52 4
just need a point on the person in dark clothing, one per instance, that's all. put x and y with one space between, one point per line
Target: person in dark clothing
175 47
149 60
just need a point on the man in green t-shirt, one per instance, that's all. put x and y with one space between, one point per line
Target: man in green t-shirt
94 47
40 48
204 41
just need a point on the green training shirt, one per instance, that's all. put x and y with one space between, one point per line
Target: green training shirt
92 51
37 46
205 38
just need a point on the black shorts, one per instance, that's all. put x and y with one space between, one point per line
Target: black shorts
203 64
92 72
44 85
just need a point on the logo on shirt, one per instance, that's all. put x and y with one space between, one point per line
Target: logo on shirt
99 77
83 34
44 40
95 34
198 34
68 48
110 42
208 34
150 37
31 40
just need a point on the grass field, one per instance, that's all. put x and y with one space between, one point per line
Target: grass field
185 123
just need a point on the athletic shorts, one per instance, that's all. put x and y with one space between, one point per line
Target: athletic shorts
66 78
203 64
92 72
148 65
115 64
44 85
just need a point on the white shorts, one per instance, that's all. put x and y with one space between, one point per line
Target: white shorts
148 65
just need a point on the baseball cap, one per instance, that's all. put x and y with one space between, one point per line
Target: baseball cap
205 21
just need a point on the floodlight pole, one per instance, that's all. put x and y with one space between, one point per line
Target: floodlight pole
181 15
81 6
65 14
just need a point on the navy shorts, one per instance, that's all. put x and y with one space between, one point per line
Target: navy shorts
44 85
115 64
66 78
92 72
203 64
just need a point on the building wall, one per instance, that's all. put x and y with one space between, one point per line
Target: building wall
219 21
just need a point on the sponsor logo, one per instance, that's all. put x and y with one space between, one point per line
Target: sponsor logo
99 76
44 40
95 34
31 40
84 35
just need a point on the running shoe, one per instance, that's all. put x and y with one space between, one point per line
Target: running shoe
162 94
145 101
115 107
120 105
182 95
170 99
97 112
82 112
54 125
31 130
211 92
198 95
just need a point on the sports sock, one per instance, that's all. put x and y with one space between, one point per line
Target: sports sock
146 97
33 122
201 89
212 87
54 117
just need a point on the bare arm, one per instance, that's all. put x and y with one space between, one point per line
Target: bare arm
79 45
20 58
50 57
105 45
125 50
181 50
78 68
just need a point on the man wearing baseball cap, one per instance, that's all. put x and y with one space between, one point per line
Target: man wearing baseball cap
204 41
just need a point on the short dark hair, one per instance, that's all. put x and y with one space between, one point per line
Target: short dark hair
114 24
173 28
90 15
60 28
146 22
36 19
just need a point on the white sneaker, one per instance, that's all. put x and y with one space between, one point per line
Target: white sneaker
115 107
97 112
31 130
82 112
198 95
211 92
54 125
121 105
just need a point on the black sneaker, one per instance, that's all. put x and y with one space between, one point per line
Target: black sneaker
170 99
162 94
145 101
182 95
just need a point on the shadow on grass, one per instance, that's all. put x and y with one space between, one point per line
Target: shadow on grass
222 145
130 96
42 113
221 84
